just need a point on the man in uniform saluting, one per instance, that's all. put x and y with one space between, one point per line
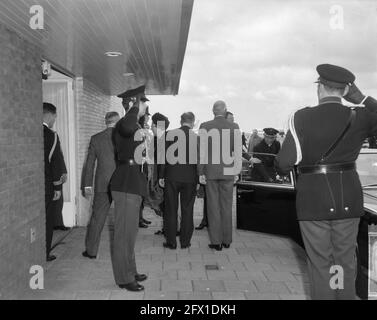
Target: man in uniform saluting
128 185
325 141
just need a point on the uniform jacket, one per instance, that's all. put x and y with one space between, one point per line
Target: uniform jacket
311 132
265 171
128 178
101 151
187 171
53 159
207 165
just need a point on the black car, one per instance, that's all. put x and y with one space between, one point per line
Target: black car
268 206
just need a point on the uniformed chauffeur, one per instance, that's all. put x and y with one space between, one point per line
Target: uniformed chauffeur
329 197
128 186
265 171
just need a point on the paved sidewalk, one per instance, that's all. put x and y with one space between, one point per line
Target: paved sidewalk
257 266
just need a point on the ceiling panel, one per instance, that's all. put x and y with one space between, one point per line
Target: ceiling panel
151 34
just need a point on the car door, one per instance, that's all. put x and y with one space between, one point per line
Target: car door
266 201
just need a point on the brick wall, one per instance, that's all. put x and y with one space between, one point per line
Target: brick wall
91 107
21 163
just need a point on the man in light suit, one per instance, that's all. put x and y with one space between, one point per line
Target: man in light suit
101 150
218 169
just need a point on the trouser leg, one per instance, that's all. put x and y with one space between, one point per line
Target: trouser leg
58 212
226 202
344 240
49 221
101 206
187 199
170 213
205 214
126 221
213 211
317 241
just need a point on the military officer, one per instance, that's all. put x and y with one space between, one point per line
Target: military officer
265 170
324 141
128 185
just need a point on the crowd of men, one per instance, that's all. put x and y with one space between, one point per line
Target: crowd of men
329 195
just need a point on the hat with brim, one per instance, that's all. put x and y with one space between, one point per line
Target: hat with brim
334 76
133 93
270 132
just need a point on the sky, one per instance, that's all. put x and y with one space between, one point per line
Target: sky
260 57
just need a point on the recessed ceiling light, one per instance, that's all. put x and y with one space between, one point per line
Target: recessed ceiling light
113 54
128 74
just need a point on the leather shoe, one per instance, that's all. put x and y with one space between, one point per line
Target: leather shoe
146 221
133 286
140 277
142 225
159 232
50 258
217 247
87 255
186 246
170 246
226 246
201 226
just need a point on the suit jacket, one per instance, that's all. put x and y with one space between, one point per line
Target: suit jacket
53 161
212 164
312 131
182 172
127 177
101 151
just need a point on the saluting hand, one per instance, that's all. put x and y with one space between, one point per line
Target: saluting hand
161 182
354 95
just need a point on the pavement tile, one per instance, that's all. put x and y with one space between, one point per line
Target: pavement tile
126 295
180 265
176 285
192 275
215 257
294 297
251 275
221 275
163 275
298 287
160 257
49 295
190 257
257 266
241 257
228 296
194 295
238 286
296 269
261 296
161 295
235 266
271 287
93 295
267 259
279 276
209 285
150 266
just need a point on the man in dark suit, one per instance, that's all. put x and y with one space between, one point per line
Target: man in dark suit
101 152
219 166
324 142
128 186
53 177
180 180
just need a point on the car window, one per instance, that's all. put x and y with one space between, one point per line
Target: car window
261 169
367 168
